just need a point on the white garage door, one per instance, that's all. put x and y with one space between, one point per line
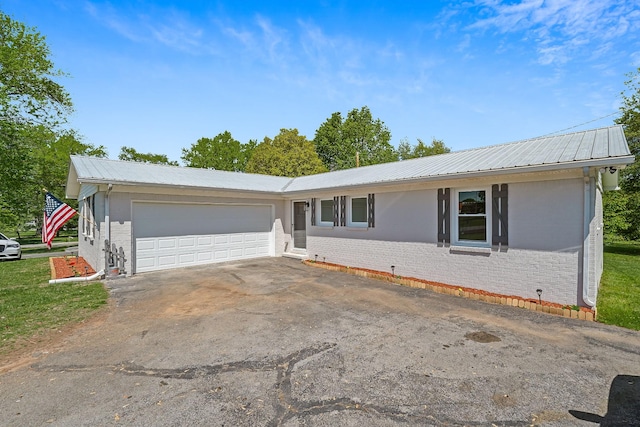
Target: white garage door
170 235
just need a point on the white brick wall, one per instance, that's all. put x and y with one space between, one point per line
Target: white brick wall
515 272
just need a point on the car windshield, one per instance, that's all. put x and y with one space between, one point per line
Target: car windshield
3 237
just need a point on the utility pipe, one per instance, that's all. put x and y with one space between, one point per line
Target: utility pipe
586 243
77 279
107 220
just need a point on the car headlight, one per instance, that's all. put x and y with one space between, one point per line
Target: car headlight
13 245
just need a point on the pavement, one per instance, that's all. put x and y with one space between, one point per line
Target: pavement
273 342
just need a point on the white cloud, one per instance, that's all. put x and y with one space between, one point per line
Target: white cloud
561 27
167 27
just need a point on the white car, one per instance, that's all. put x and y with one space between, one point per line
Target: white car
9 249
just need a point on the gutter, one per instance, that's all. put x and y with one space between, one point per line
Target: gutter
98 275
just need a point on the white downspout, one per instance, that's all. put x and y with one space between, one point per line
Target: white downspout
107 220
98 275
586 241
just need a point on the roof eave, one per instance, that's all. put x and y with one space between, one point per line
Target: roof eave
99 181
609 161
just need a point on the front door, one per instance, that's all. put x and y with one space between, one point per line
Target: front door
299 225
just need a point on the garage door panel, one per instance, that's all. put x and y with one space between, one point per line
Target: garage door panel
167 243
204 257
193 243
204 241
167 261
185 259
187 242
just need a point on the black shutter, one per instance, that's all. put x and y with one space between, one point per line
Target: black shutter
336 211
313 211
499 215
444 215
371 210
343 210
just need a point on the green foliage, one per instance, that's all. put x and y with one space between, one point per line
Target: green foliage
630 120
619 294
614 207
28 93
407 151
30 307
221 152
32 154
35 158
288 154
130 154
358 139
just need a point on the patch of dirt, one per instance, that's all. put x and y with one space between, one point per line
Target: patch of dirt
482 337
64 267
503 400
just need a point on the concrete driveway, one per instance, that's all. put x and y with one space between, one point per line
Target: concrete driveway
273 342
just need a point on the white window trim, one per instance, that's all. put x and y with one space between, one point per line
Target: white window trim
88 219
351 223
319 221
454 218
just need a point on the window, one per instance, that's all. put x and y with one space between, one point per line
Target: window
471 217
88 215
358 212
326 212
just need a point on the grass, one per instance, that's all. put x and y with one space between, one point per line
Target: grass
619 294
29 306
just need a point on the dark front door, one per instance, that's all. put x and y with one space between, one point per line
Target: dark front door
299 225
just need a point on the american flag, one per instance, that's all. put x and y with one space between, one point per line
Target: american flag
56 214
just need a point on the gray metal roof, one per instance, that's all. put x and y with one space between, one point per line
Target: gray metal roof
598 147
98 170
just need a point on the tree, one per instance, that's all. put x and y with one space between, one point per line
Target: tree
288 154
358 140
623 210
630 121
407 151
28 92
32 105
130 154
41 161
221 152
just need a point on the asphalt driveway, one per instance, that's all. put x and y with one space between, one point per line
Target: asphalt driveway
273 342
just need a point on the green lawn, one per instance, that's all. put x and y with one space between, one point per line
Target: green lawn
30 306
619 294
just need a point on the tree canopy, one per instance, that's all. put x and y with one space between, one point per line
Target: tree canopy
28 91
221 152
132 155
630 121
359 139
407 151
622 208
288 154
34 152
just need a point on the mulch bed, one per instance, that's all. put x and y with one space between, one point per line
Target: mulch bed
70 266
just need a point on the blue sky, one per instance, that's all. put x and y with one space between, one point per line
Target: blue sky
158 75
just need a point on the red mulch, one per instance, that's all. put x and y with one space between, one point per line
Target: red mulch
70 266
